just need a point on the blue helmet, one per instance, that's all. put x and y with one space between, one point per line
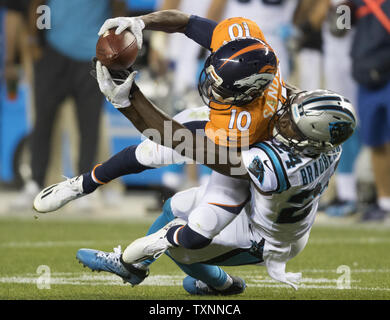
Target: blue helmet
238 72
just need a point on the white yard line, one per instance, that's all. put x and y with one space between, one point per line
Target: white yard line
352 270
68 243
97 243
368 240
86 279
305 286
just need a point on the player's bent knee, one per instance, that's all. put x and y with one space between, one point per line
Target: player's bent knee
209 220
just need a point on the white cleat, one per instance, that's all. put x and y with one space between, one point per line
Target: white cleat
58 195
151 246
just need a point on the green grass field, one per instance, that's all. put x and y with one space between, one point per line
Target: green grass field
26 244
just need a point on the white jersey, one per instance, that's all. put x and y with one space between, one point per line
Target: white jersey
268 14
286 189
273 17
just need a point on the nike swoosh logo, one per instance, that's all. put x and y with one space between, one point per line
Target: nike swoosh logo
266 164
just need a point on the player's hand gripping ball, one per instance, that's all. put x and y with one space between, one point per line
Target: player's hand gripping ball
117 52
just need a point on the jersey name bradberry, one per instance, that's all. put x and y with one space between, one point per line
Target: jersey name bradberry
312 171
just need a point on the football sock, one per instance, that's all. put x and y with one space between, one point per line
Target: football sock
211 275
227 284
122 163
172 235
89 185
187 238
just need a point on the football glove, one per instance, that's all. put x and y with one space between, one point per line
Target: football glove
134 24
117 94
118 76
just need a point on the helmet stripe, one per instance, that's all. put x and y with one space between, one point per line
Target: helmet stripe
242 51
321 99
336 108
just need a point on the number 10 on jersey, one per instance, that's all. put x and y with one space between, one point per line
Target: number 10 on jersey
242 120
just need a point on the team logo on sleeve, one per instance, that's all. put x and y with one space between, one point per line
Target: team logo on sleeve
257 169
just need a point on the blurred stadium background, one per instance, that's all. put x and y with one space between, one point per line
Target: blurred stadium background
311 56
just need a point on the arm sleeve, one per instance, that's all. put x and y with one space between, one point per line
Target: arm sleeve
200 30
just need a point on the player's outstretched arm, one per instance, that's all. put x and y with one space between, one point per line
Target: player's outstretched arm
190 145
166 131
167 20
198 29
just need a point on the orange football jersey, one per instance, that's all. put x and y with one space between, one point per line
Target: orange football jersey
244 125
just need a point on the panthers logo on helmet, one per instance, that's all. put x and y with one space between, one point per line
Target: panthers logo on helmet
340 131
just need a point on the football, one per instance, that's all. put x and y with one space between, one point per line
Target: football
117 52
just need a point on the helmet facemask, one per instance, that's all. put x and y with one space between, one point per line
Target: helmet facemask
211 90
